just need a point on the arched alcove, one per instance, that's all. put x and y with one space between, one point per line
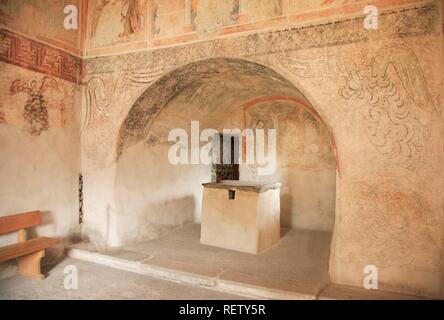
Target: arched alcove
153 196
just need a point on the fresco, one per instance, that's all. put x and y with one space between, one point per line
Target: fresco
199 75
43 24
29 54
298 6
210 16
35 102
392 206
125 20
169 18
300 134
400 103
143 23
262 9
2 115
35 113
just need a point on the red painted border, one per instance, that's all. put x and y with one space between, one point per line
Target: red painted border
32 55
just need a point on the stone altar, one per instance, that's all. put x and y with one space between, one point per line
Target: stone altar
240 215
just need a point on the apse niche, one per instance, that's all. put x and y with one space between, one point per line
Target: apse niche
153 196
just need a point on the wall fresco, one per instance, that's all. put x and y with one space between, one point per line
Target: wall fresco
297 6
398 225
209 16
261 10
42 24
183 21
169 18
115 21
400 104
409 22
149 105
36 103
35 112
2 115
35 56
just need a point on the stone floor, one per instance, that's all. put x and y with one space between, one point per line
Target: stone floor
99 282
296 268
300 256
177 266
298 263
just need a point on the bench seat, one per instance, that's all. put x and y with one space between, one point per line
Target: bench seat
27 247
28 252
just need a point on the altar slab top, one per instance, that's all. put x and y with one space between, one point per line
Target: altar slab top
254 186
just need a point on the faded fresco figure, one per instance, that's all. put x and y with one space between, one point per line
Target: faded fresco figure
131 18
35 112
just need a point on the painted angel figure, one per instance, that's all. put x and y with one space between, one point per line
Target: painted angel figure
400 104
35 112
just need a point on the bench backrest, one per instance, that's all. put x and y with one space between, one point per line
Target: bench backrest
20 221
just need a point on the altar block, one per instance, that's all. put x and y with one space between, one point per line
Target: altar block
240 215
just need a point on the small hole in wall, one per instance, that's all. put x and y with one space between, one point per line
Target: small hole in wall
231 194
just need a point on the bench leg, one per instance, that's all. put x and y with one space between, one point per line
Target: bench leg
29 265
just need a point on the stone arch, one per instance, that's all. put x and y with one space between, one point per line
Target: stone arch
186 80
150 102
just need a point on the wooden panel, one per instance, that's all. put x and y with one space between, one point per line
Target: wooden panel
27 247
20 221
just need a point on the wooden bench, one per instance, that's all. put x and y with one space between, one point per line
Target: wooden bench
28 252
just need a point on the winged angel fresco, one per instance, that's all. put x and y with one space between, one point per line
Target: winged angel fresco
100 93
35 112
399 101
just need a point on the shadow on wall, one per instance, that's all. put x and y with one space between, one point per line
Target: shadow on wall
153 196
162 217
286 205
154 220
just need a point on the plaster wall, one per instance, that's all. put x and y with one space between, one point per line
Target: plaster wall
40 150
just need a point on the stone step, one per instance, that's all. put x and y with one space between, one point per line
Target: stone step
227 281
220 280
